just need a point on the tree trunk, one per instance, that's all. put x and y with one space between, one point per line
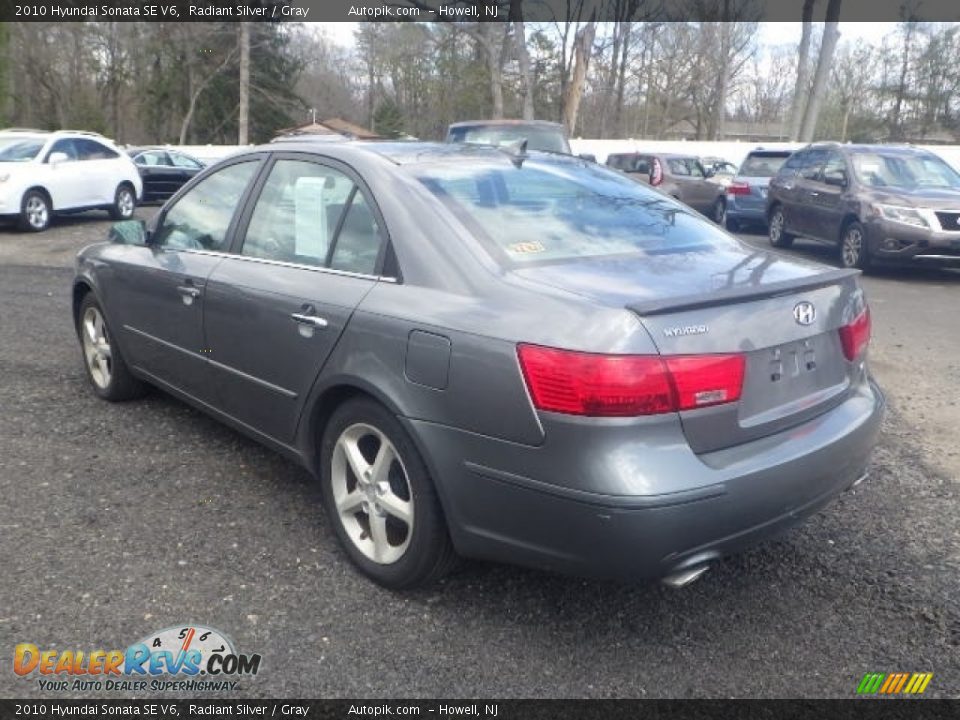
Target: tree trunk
243 123
526 76
830 36
896 124
621 80
582 48
846 120
798 104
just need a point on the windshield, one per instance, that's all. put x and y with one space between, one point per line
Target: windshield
763 165
904 171
538 138
21 150
553 212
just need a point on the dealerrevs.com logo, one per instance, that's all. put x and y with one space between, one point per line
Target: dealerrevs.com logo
189 658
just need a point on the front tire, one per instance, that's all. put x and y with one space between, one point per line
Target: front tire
777 233
854 251
124 203
35 211
106 369
380 499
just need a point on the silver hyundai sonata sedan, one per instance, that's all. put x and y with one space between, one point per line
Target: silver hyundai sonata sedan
492 353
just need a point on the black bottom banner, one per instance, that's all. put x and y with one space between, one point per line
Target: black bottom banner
916 709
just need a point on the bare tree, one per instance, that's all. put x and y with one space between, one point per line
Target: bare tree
523 62
798 105
243 122
831 34
582 49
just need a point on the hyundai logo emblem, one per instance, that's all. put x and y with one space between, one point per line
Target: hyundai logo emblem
804 313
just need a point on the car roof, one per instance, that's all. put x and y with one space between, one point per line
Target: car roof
508 122
402 152
871 147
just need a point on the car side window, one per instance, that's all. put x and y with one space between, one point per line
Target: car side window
297 213
835 170
65 146
184 161
642 165
200 219
812 165
357 245
678 167
154 158
92 150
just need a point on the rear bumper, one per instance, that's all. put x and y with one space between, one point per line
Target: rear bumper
501 505
752 210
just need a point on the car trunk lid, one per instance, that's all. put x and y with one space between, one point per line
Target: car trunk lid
782 316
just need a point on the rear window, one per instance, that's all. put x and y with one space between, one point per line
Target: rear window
544 212
763 164
538 138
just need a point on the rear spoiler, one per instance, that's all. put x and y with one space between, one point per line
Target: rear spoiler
732 295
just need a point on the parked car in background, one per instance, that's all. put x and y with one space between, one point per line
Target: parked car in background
876 203
747 190
163 170
680 176
524 358
539 134
42 173
721 170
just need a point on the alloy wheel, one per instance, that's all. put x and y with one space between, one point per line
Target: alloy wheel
37 211
852 247
776 226
96 348
371 491
125 202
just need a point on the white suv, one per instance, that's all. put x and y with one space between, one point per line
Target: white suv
46 172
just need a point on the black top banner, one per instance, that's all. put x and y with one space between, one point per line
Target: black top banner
486 709
471 10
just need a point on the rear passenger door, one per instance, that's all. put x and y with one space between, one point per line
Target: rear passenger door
802 215
276 307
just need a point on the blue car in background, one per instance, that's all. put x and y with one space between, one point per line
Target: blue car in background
747 191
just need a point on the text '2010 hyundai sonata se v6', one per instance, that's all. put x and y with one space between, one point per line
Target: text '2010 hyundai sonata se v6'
494 354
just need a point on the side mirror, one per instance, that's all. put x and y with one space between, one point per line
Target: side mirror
589 157
709 172
129 232
57 158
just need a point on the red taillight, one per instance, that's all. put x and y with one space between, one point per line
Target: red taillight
855 336
656 173
577 383
702 380
738 187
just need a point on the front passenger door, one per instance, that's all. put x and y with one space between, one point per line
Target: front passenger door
159 290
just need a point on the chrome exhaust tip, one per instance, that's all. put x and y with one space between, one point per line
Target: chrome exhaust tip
684 577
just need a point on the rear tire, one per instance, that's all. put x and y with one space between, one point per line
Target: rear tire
383 507
854 251
107 371
36 211
718 212
779 237
124 203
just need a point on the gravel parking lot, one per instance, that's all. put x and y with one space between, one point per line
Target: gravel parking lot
119 520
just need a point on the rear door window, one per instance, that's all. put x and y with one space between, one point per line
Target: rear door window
812 164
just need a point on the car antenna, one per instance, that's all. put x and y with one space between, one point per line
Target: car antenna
516 150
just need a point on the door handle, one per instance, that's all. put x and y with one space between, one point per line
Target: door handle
188 291
311 320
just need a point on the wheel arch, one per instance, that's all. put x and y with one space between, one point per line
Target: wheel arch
43 191
324 403
81 288
848 219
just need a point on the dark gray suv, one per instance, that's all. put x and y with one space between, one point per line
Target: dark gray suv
875 202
